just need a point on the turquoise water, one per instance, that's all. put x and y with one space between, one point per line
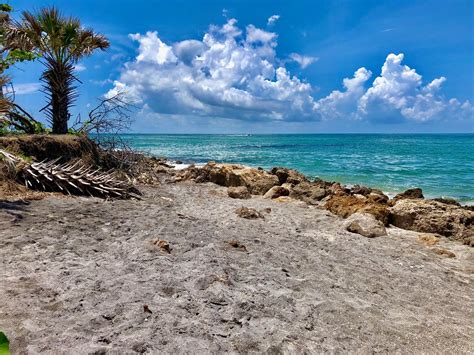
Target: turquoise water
442 165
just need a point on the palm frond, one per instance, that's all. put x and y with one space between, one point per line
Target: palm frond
62 42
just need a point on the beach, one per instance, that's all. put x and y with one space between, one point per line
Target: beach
181 272
230 177
439 163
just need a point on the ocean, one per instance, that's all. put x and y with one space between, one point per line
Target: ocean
441 164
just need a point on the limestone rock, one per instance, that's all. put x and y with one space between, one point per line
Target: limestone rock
447 200
361 190
428 216
365 224
248 213
240 192
257 181
377 196
409 194
276 191
308 192
444 252
346 205
286 175
428 239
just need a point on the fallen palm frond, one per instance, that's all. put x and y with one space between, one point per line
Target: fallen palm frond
68 178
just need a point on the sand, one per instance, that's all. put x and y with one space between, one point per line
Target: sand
83 275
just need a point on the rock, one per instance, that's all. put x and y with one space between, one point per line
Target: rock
308 192
276 191
428 239
365 224
324 184
429 216
257 181
286 199
444 252
361 190
240 192
288 176
447 200
248 213
237 245
377 196
337 189
409 194
346 205
162 244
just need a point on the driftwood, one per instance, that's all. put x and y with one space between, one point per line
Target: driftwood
68 178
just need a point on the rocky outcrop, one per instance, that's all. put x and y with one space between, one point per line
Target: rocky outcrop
430 216
257 181
365 224
289 176
240 192
346 205
276 191
409 194
308 192
447 200
407 210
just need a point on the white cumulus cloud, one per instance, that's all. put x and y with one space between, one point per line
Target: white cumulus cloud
343 104
226 74
272 19
302 60
397 94
23 88
234 73
79 67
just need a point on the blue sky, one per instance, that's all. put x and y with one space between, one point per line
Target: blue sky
276 66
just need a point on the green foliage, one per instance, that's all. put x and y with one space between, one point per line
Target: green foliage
76 132
4 344
5 8
3 128
61 41
15 56
10 54
39 127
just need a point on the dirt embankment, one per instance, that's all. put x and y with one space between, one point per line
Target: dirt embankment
48 147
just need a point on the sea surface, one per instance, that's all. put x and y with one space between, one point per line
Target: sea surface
441 164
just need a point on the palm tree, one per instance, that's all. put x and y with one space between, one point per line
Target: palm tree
61 42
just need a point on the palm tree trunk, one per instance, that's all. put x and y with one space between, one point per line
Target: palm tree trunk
58 80
60 112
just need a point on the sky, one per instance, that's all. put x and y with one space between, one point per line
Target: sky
274 66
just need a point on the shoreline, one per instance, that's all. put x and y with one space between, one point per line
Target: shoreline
179 165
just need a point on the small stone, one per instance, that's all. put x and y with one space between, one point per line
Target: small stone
276 191
444 252
162 244
240 192
365 224
237 245
428 239
248 213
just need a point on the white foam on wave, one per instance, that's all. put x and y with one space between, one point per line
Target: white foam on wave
182 166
